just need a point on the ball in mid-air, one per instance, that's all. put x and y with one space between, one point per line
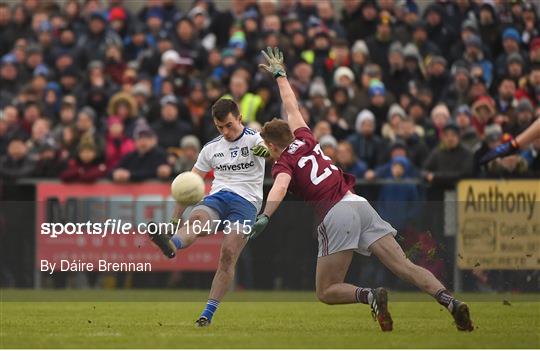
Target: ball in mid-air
187 188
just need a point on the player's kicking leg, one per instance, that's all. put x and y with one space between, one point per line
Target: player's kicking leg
331 289
231 247
393 257
169 243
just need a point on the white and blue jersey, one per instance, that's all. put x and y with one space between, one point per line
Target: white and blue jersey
237 189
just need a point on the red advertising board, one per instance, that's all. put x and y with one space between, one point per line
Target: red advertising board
130 203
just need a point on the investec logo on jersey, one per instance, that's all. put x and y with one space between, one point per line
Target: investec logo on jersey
235 167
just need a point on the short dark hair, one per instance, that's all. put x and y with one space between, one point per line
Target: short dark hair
222 108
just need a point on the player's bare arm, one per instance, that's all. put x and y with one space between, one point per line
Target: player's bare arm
274 59
275 197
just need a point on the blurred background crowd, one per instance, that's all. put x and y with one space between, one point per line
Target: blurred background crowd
392 89
404 95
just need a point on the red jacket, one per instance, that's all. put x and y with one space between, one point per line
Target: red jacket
77 171
115 149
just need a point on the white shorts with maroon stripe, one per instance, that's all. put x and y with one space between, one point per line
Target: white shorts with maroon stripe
351 224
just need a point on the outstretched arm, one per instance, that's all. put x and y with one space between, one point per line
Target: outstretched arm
275 197
274 59
513 146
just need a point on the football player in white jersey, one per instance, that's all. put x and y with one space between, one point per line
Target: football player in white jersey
234 200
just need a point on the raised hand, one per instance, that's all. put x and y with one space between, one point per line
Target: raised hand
274 60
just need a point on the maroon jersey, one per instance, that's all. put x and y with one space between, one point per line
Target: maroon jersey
314 178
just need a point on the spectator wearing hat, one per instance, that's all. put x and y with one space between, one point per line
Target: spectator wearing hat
515 66
384 171
329 146
468 135
396 114
367 146
511 41
9 83
399 202
439 33
437 77
397 77
318 102
170 128
379 44
348 162
119 21
439 118
136 45
148 161
52 98
483 110
379 102
492 138
69 80
190 147
117 144
86 167
457 92
359 58
124 106
450 161
475 55
48 164
489 28
421 41
16 163
94 42
522 118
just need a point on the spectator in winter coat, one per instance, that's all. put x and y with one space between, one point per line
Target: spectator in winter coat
117 145
367 146
86 167
346 160
148 161
450 161
170 129
398 203
190 146
16 163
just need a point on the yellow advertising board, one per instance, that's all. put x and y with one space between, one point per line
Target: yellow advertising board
498 224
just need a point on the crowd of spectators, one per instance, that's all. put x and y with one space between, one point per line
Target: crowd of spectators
93 90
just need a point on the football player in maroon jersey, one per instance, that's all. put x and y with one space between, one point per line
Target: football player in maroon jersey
348 223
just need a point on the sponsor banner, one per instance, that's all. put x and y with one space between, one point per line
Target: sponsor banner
498 224
121 205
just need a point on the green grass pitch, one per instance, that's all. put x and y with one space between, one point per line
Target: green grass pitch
127 319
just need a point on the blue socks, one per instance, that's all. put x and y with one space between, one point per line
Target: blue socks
176 241
210 309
